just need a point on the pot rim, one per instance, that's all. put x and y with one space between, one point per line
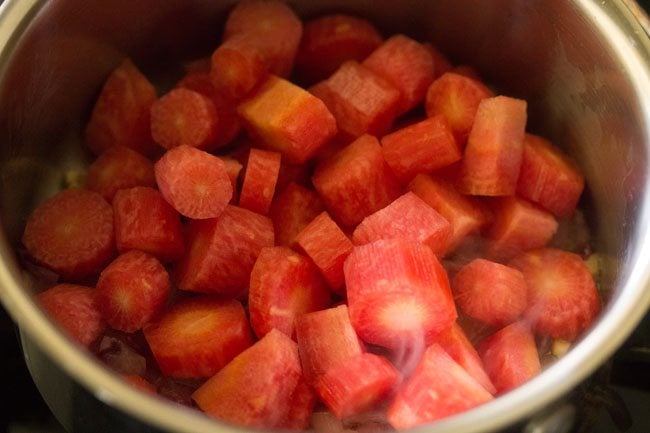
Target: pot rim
617 321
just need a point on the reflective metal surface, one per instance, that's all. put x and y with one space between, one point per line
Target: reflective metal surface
582 65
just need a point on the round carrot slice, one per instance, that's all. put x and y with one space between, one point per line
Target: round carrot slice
562 297
71 233
184 117
194 182
490 292
132 290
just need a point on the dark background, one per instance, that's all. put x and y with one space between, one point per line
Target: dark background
22 410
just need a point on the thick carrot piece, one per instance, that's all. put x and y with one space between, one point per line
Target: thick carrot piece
398 293
292 210
328 247
494 148
356 181
145 221
407 65
197 337
117 168
288 119
457 345
229 124
237 67
283 286
465 214
420 148
121 114
273 28
255 389
510 356
184 117
329 41
548 177
358 385
221 252
259 180
71 233
419 401
194 182
74 309
251 50
407 218
326 340
457 98
132 291
518 226
360 100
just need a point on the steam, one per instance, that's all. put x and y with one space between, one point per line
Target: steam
408 354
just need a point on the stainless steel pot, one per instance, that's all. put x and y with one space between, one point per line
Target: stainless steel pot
584 67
